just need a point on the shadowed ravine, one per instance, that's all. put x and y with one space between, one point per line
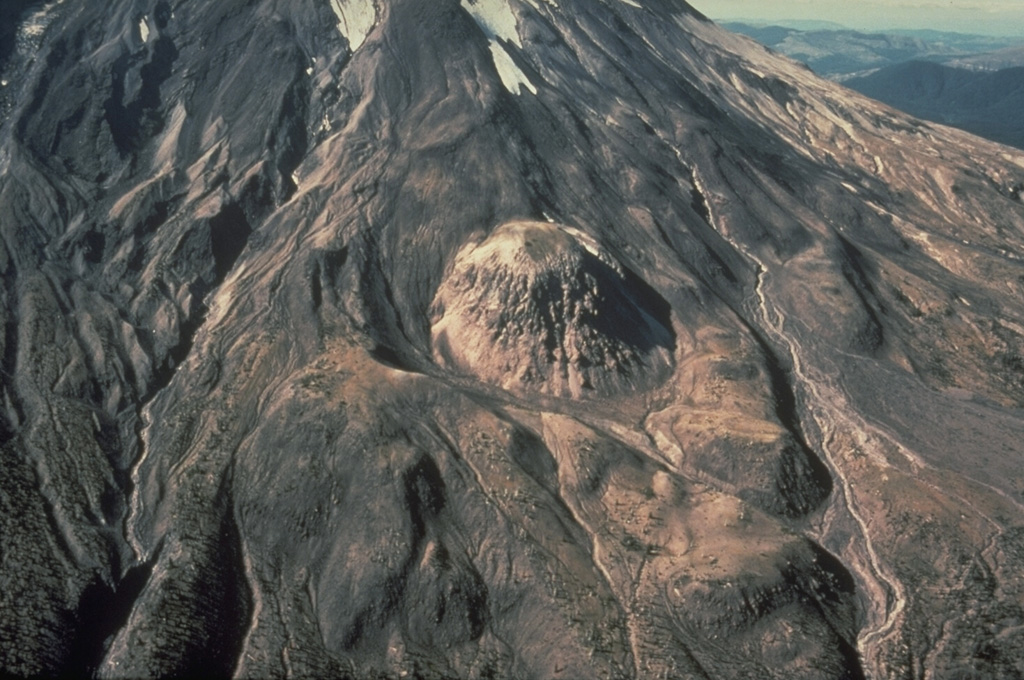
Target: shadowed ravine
882 591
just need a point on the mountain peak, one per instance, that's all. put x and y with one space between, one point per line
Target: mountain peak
495 339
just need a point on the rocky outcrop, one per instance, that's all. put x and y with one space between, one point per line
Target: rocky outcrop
539 307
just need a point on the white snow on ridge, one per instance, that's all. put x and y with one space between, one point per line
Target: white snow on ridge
144 29
495 18
512 77
498 22
356 18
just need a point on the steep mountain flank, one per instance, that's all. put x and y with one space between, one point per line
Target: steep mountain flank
495 338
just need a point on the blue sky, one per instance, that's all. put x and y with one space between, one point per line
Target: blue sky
988 17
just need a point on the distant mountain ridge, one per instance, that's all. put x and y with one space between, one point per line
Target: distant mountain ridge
1009 57
838 52
975 83
985 103
796 24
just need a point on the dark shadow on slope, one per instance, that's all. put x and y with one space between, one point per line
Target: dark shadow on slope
226 236
191 622
424 493
833 588
290 141
12 409
531 454
854 268
229 232
232 614
131 123
103 610
818 480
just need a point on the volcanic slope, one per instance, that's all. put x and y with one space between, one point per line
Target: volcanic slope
503 338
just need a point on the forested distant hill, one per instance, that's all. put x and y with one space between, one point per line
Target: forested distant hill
975 83
987 103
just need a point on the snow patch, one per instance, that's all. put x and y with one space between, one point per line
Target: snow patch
512 77
356 18
144 29
631 3
495 18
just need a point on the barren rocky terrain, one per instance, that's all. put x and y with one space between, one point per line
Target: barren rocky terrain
495 339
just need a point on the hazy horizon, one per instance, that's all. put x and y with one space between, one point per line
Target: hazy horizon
983 17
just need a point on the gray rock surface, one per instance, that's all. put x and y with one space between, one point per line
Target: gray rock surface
752 409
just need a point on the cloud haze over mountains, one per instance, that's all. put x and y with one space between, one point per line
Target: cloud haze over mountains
986 17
